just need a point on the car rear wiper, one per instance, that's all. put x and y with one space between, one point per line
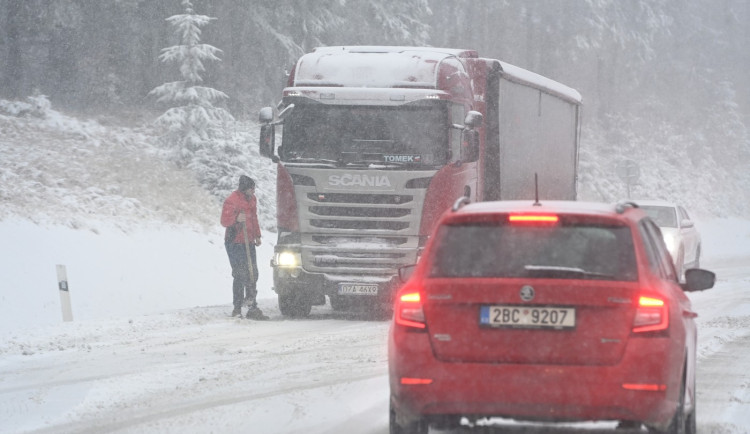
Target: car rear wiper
552 271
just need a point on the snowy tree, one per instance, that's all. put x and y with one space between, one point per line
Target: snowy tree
195 126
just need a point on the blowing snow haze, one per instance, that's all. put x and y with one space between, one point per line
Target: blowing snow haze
115 157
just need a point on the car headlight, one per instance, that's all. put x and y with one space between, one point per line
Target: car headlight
288 259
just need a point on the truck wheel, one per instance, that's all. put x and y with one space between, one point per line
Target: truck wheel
294 305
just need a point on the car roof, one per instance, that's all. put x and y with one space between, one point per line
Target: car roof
654 202
549 206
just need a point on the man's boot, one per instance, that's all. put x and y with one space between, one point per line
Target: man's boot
237 312
254 312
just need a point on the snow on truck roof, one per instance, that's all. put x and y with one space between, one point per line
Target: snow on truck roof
394 66
371 66
514 73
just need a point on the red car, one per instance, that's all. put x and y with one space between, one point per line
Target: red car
555 311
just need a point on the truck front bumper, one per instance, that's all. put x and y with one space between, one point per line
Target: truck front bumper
370 289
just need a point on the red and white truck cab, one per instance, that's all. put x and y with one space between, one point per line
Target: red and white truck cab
378 141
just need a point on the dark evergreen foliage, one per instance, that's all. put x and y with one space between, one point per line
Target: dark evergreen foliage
662 80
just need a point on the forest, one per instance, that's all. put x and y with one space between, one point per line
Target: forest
664 82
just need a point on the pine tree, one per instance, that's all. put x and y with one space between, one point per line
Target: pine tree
194 126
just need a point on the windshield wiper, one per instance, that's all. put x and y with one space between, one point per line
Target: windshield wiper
551 271
320 161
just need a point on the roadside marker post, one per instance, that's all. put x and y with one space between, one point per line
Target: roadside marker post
62 285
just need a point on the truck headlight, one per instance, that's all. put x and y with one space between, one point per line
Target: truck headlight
288 259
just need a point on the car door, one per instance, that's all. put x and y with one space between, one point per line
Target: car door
689 235
661 263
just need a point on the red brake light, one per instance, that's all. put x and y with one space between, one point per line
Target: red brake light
651 315
645 387
415 381
409 311
533 218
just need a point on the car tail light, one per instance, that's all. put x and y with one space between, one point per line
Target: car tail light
409 311
533 218
651 315
408 381
645 387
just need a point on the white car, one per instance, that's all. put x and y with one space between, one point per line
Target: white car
678 230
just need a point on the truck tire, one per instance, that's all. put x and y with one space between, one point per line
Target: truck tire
294 305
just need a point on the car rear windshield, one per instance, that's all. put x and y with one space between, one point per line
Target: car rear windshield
576 251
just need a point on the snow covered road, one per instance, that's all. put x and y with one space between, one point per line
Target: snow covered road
197 371
723 381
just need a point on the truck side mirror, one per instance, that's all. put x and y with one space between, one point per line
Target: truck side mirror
469 145
266 115
267 132
267 136
473 119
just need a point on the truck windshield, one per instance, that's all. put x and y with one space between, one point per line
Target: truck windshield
367 136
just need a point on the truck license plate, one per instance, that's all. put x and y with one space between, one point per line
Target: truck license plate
358 289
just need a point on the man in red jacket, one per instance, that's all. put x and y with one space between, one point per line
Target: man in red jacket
239 215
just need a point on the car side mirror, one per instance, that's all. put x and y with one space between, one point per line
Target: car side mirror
404 273
685 223
697 279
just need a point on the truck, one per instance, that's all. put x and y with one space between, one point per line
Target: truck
378 141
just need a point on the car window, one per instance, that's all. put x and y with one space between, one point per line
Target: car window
575 251
683 214
656 241
664 216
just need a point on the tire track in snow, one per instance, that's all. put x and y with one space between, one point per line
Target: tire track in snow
724 388
125 420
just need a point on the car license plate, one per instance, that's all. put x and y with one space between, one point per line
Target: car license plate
358 289
528 317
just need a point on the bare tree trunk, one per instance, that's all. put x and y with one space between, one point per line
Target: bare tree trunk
11 83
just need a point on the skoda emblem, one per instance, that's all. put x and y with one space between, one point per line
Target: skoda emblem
527 293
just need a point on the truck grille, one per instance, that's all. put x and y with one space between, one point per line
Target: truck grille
371 261
356 241
341 211
373 199
359 233
358 224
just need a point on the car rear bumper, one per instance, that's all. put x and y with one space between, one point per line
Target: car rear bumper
538 392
